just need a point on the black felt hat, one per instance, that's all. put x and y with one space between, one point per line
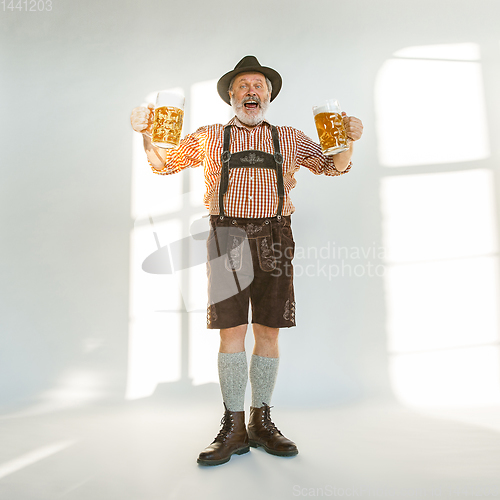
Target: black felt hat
248 64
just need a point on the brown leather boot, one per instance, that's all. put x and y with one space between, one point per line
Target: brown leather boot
232 438
263 432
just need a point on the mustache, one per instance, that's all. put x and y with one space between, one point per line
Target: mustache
248 98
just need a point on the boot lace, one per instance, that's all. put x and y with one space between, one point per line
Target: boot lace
227 425
267 422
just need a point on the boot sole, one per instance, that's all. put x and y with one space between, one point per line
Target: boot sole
255 444
242 451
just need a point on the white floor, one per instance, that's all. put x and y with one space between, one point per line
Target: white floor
148 450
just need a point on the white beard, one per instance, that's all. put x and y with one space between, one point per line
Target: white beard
247 119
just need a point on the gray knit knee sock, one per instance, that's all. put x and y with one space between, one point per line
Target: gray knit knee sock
233 377
263 373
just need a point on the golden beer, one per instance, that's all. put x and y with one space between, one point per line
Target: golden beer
168 118
330 126
167 127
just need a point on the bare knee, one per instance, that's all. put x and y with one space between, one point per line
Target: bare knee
266 341
265 333
233 339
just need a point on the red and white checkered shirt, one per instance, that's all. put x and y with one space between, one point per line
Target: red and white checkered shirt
252 192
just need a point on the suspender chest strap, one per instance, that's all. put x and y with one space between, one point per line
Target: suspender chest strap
251 159
224 174
278 158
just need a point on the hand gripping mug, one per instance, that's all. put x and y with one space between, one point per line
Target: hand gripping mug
330 127
169 115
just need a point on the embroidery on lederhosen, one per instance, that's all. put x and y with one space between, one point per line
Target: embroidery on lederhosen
211 314
234 253
266 255
263 236
237 257
289 314
252 159
252 229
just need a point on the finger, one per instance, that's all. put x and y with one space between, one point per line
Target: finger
137 112
355 135
356 130
355 124
138 124
142 110
356 121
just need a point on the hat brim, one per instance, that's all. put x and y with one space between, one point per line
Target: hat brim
274 77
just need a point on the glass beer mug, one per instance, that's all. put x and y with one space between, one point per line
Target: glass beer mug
168 118
330 127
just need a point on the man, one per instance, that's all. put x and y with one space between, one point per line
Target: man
249 168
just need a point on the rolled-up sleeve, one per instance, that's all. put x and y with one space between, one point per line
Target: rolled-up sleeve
190 153
309 155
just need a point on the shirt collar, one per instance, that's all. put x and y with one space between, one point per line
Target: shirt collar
234 121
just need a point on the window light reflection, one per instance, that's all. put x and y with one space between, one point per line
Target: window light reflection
430 111
439 229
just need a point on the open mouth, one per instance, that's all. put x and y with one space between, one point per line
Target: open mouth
251 104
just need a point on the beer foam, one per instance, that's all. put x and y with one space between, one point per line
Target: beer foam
331 106
171 99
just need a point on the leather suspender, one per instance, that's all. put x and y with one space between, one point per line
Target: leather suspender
226 157
279 170
224 174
